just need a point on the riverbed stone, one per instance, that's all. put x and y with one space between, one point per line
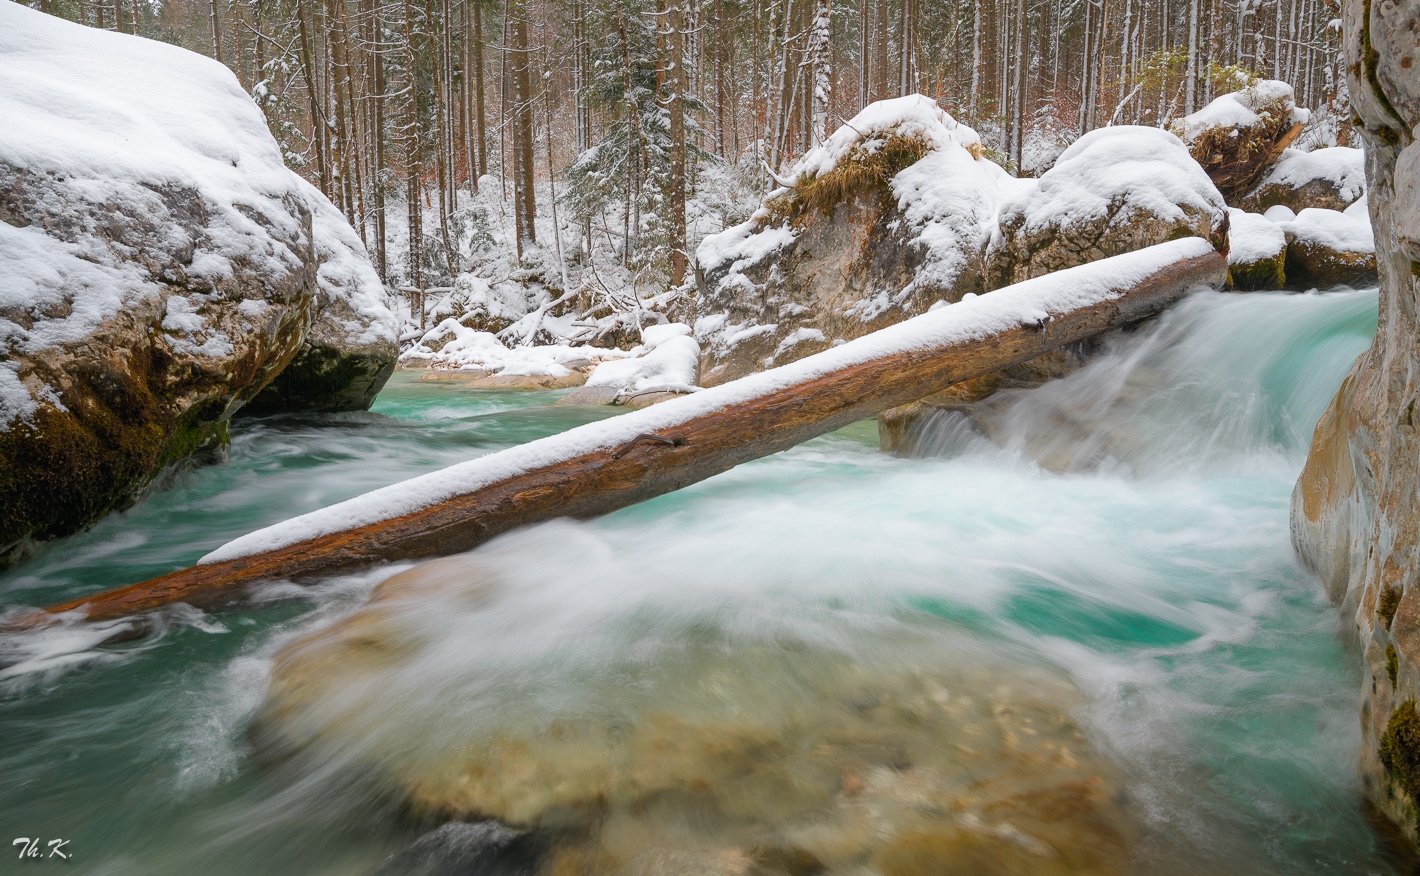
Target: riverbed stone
715 770
1356 507
484 848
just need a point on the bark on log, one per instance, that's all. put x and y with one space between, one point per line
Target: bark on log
700 445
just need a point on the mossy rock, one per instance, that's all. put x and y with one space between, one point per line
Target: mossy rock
1267 273
326 378
1400 748
1312 265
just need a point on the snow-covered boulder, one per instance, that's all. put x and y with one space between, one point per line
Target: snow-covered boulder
1239 135
157 265
890 214
1332 179
1115 190
353 342
1327 248
1257 252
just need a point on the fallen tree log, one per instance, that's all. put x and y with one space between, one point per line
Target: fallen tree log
604 466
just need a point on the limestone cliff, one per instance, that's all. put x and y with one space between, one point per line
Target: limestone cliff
1356 508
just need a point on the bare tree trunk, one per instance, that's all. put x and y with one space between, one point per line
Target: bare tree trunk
481 138
676 83
524 199
1018 86
819 42
1190 86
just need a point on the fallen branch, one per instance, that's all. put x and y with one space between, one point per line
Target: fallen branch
604 466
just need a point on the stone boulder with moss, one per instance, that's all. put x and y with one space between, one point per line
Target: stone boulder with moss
1240 135
1329 179
891 214
352 346
1257 252
1115 190
1356 507
1328 248
158 260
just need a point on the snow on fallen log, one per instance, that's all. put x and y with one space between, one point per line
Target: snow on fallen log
604 466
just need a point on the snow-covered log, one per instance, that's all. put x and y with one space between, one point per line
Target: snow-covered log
604 466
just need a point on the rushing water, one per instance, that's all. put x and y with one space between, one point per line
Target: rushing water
1088 582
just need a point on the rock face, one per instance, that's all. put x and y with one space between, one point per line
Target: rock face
891 214
159 264
1356 508
1115 190
1329 179
1238 136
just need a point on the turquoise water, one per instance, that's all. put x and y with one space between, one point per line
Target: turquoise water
1124 529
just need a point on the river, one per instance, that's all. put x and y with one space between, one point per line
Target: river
1089 591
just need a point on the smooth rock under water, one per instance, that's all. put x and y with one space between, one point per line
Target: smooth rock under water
484 848
704 758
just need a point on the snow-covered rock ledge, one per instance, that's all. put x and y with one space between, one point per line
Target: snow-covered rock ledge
159 265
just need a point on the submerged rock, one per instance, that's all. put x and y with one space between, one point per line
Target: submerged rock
889 215
1240 135
1356 507
484 848
705 756
1115 190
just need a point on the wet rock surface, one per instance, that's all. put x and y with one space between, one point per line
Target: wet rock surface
459 848
744 760
1356 508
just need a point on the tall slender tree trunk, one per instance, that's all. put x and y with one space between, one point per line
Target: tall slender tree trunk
676 87
1018 85
481 135
524 199
820 37
1190 86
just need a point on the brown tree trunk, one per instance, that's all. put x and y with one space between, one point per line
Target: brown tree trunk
524 200
675 81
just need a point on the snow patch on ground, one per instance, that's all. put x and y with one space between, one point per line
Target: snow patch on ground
1024 304
668 359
